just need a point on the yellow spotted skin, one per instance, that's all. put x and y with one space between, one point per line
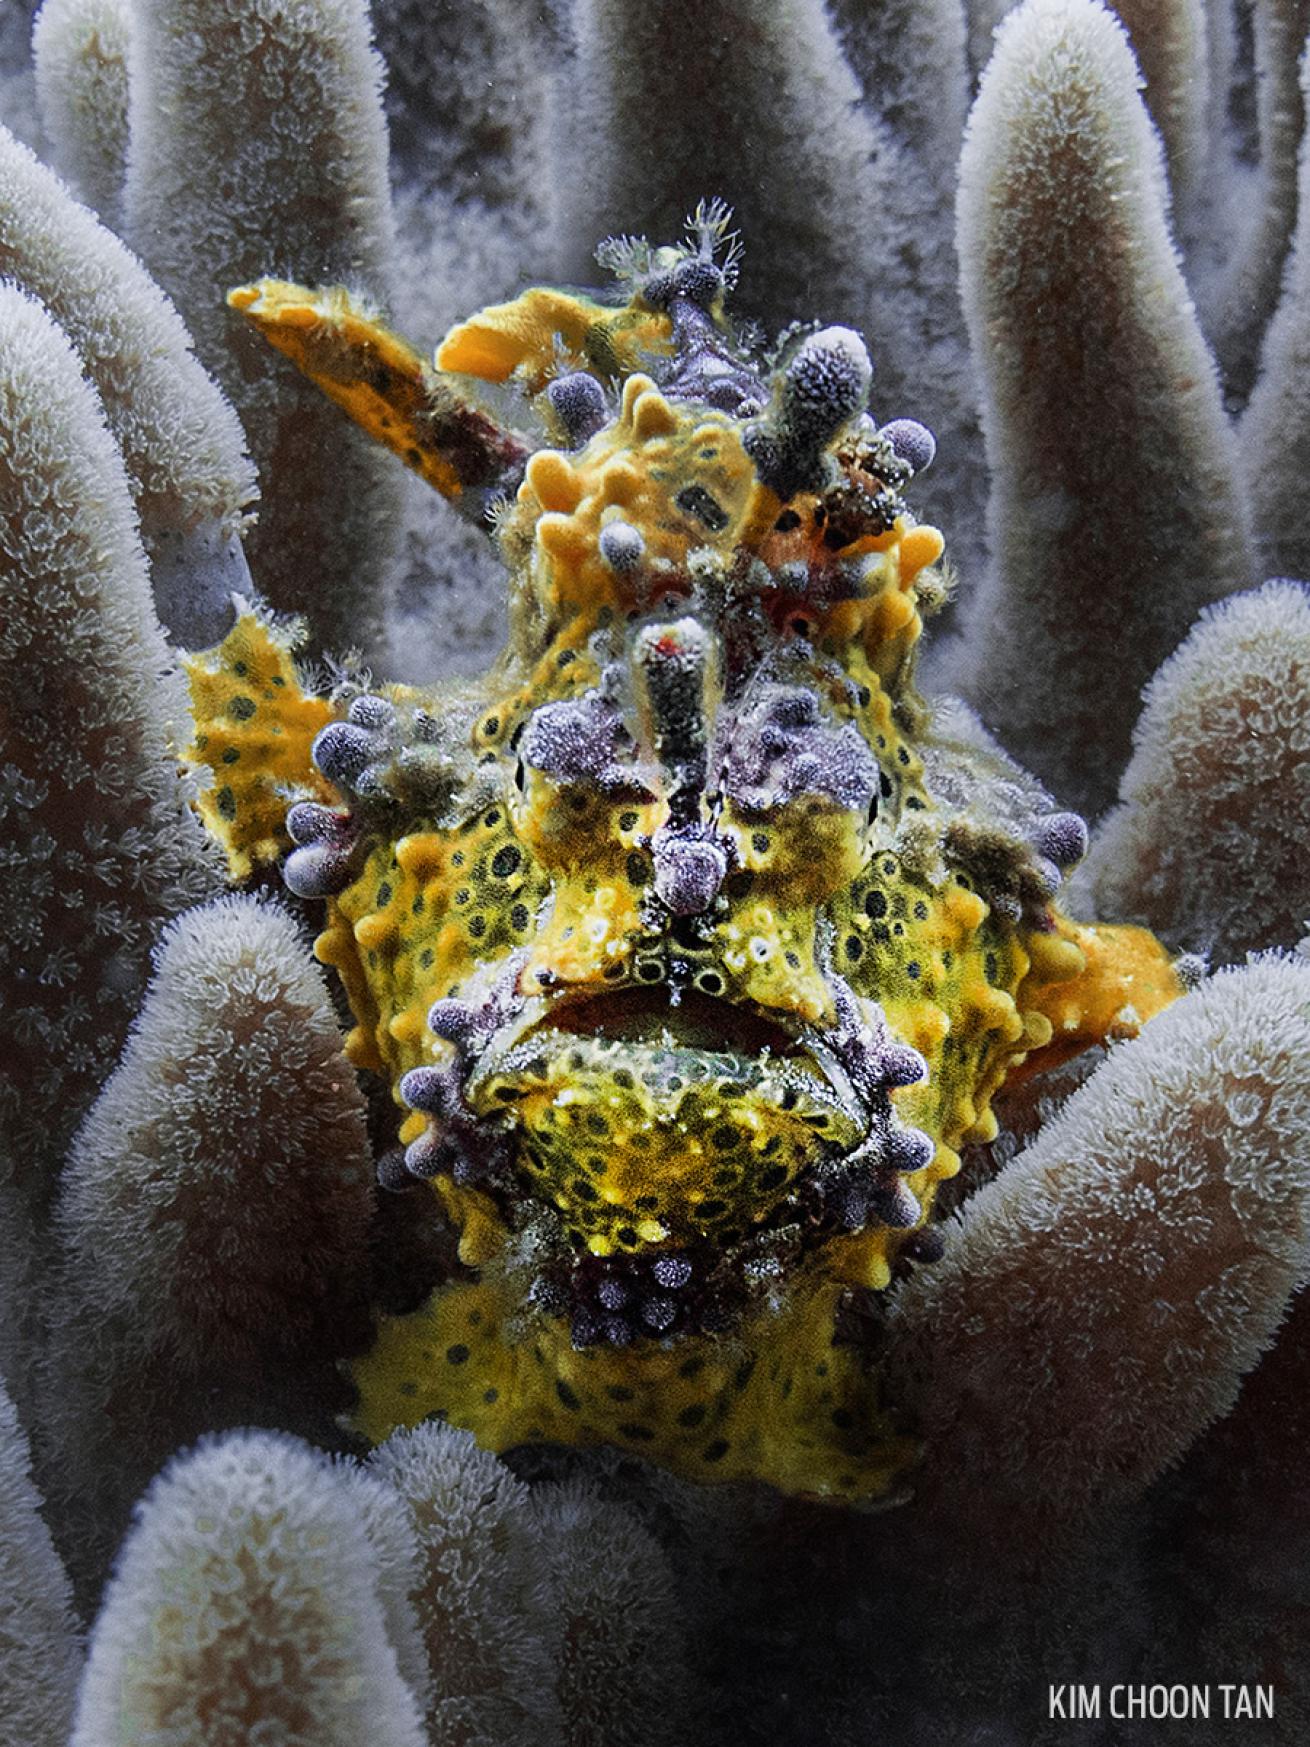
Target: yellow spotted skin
796 1411
253 728
427 910
644 932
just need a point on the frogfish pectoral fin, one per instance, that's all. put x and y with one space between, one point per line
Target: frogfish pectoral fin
253 726
1094 983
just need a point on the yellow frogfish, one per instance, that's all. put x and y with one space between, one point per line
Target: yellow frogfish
693 944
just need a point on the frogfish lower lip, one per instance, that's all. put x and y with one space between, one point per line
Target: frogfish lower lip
649 1124
691 1027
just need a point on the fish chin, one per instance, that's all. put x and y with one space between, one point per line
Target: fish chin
653 1126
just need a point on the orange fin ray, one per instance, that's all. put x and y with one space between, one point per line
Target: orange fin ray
388 389
546 331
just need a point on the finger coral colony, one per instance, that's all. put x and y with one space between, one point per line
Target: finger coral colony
686 1196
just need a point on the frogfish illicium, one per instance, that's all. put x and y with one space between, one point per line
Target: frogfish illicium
693 943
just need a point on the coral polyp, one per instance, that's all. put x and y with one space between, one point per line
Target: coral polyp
693 947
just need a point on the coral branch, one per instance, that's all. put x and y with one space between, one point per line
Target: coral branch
384 1516
1171 42
184 451
474 178
214 1213
1251 292
41 1662
617 1613
476 132
1115 512
101 846
245 1609
1211 845
236 1020
1103 1298
80 52
829 201
653 86
909 57
297 85
484 1590
1276 428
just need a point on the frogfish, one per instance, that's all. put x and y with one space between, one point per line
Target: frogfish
692 943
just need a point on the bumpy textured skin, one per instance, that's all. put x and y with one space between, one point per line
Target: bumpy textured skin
692 951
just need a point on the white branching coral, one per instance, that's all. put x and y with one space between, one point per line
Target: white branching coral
100 845
245 1610
1275 429
216 1199
397 1557
789 84
40 1660
1219 778
615 1608
476 132
297 84
771 86
474 185
79 56
1172 48
190 479
1116 512
1126 1271
913 73
1250 291
483 1593
214 1214
542 1610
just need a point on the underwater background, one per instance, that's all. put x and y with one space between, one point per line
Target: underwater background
1077 245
